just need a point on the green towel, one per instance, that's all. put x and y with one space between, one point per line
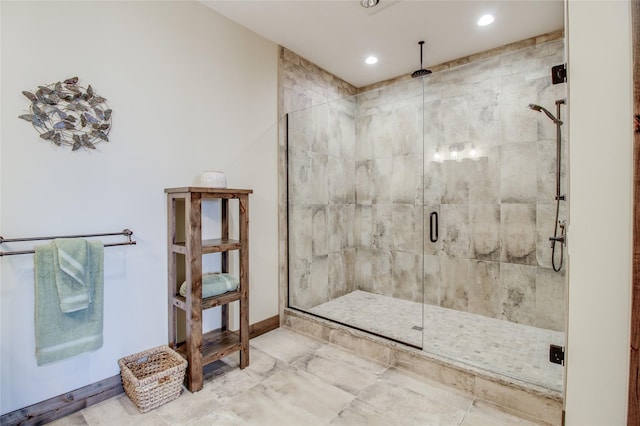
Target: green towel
214 284
62 335
70 264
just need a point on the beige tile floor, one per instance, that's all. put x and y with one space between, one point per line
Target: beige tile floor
297 380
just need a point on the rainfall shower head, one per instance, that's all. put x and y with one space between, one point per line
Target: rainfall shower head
546 111
421 72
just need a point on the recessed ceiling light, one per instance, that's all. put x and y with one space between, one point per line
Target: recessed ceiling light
371 60
485 20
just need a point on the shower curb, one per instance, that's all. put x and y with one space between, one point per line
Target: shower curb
525 400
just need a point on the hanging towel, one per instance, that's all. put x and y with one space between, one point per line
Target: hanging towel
70 264
62 335
214 284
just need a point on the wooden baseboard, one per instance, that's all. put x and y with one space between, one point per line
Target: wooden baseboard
264 326
63 405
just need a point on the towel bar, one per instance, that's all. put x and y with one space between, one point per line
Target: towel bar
126 232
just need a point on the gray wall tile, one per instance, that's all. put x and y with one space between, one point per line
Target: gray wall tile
364 182
484 288
432 286
454 219
407 275
319 288
300 176
485 231
549 305
484 175
518 181
517 292
406 228
300 277
455 276
319 238
382 222
518 233
456 177
319 180
301 231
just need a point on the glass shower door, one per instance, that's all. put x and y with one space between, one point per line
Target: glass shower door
356 215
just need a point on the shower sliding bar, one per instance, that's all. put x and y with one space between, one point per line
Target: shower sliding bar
126 232
559 197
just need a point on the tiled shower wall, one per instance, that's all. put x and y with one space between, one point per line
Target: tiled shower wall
322 202
389 193
356 188
497 212
321 199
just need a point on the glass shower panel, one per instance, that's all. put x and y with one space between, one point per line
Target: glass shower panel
492 299
321 203
355 179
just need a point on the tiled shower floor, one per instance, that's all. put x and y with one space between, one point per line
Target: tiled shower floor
501 347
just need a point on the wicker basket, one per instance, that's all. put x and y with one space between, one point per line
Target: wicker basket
153 377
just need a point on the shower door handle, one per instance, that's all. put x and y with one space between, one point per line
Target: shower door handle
433 227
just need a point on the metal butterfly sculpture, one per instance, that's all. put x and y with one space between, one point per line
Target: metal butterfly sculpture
68 114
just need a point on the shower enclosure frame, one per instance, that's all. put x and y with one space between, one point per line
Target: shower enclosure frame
633 415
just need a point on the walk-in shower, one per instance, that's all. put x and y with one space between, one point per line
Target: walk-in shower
420 210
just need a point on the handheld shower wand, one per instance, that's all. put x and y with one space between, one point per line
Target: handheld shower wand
546 111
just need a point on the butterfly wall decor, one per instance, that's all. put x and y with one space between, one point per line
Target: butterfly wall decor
66 113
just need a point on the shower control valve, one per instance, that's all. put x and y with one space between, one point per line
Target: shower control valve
559 239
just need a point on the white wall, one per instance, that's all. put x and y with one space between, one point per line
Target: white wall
599 235
191 91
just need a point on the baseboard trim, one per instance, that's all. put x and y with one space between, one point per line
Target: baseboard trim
63 405
70 402
264 326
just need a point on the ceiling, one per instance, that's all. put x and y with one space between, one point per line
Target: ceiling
338 35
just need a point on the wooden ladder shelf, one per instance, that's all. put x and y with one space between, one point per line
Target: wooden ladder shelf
186 248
